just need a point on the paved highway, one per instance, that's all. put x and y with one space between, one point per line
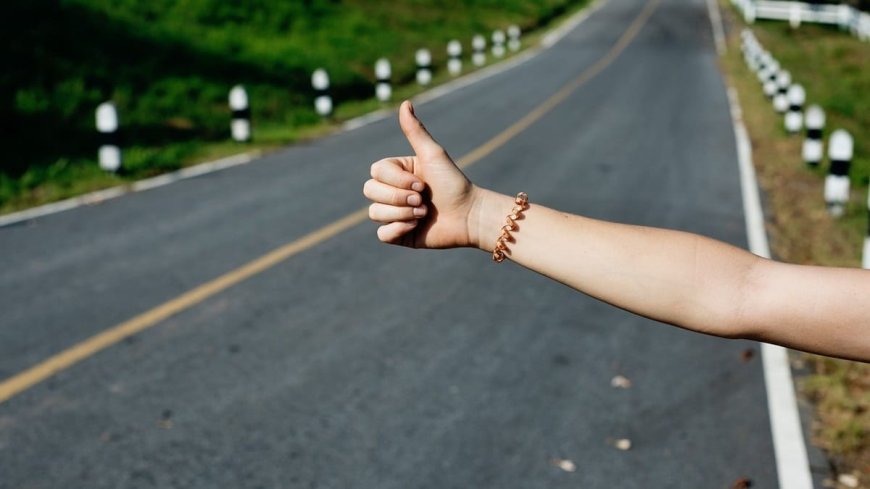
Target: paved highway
355 364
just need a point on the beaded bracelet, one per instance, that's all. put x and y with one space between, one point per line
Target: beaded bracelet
522 202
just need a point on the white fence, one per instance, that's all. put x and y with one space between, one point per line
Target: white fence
848 18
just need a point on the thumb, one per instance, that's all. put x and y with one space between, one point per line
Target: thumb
416 132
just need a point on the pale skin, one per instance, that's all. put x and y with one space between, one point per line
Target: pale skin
690 281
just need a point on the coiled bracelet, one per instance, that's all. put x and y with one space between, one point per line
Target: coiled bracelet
510 224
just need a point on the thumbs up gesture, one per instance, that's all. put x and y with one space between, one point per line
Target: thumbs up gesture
421 201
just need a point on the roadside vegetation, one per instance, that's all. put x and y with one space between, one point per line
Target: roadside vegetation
168 66
834 68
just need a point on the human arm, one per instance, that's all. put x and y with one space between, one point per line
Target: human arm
688 280
679 278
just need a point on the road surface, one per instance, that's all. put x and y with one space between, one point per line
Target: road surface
356 364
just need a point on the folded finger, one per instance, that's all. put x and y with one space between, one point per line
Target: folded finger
392 172
395 231
389 213
387 194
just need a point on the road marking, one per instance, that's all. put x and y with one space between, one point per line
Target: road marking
109 337
716 24
566 91
110 193
553 37
69 357
792 464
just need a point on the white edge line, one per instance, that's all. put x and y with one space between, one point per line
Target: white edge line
792 463
100 196
718 30
553 37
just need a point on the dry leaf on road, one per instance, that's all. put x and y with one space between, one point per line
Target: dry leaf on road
564 464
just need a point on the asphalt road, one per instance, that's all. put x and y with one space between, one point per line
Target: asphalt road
355 364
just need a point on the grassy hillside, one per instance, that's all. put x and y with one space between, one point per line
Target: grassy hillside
168 66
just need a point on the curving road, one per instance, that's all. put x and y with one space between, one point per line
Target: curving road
354 364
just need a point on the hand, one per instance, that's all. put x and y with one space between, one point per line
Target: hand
422 201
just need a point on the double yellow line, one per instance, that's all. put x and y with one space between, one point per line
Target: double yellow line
69 357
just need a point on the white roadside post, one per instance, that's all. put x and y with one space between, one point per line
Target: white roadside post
748 43
794 15
109 154
763 65
783 81
383 72
844 15
769 78
498 40
760 59
424 66
514 34
478 46
813 148
771 63
454 57
837 182
865 259
794 117
749 12
751 50
240 122
864 26
753 57
322 100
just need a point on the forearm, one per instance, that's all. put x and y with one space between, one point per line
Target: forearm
675 277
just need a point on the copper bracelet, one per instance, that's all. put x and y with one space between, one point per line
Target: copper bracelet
510 224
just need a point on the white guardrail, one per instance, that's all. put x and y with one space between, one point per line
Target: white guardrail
848 18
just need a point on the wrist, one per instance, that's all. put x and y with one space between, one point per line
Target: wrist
486 218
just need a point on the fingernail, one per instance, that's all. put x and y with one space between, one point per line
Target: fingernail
414 200
417 186
411 107
419 211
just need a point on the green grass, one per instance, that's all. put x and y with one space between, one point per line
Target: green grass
832 66
168 66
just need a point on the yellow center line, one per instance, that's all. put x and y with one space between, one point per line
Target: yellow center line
69 357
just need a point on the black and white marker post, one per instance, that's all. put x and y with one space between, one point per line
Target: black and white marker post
240 124
796 96
780 101
454 57
749 47
383 73
514 34
498 40
761 59
761 62
109 154
758 60
813 148
478 46
837 182
322 100
769 78
424 66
